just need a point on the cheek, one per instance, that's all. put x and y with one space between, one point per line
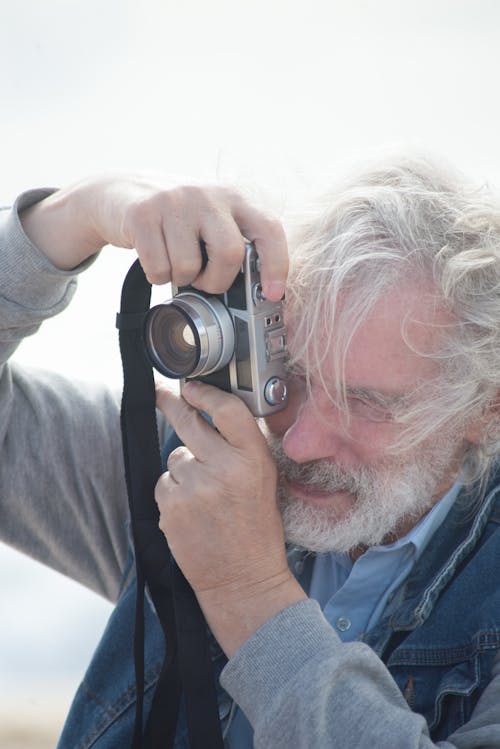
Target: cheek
371 441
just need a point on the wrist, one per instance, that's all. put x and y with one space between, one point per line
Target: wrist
235 613
60 227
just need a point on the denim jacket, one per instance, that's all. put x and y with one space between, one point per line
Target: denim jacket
438 637
441 632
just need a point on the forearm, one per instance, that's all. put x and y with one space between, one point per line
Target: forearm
63 499
300 686
31 287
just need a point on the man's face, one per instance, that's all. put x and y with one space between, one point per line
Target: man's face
339 487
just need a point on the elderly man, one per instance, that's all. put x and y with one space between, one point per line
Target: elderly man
344 552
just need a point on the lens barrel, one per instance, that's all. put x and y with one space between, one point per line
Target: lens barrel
190 336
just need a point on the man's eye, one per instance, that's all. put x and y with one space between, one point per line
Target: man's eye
367 410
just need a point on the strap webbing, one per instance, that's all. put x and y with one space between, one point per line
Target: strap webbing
187 667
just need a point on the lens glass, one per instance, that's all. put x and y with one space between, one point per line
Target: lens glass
188 336
173 341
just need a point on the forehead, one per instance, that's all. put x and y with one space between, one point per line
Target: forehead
392 350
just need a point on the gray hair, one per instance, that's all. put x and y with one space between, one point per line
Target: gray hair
407 218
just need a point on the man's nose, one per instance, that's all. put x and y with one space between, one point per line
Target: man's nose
312 435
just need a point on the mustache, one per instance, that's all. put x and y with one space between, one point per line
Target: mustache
323 475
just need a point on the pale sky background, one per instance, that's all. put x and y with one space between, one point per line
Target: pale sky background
279 95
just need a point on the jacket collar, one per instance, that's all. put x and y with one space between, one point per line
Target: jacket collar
455 539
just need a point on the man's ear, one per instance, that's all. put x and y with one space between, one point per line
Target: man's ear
480 426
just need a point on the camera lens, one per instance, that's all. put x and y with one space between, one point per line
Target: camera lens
174 340
192 335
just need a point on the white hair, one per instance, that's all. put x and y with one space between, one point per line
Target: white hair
407 218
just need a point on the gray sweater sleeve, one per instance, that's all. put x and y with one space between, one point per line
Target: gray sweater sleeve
301 687
63 498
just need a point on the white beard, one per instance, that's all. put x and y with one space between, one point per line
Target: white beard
383 498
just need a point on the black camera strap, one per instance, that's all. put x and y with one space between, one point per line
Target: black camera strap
187 670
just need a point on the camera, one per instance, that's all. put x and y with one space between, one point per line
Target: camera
235 340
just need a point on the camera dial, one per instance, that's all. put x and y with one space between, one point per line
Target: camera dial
275 391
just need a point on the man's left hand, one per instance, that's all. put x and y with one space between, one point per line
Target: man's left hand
219 513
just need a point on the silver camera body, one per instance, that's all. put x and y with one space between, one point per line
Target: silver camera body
235 341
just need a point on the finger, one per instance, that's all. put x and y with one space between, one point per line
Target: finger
182 238
184 252
268 235
229 414
143 226
198 436
164 490
152 250
225 247
178 460
195 213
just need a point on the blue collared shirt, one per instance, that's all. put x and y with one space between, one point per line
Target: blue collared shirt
353 595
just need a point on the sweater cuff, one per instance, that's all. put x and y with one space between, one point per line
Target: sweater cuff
27 277
274 656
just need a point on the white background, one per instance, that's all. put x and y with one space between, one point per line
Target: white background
275 94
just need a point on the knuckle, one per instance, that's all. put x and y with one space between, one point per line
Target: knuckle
185 270
227 474
157 270
188 418
209 285
232 252
138 214
162 524
230 408
161 489
188 195
187 190
199 193
158 279
214 286
225 262
225 411
232 195
273 227
158 206
171 202
211 202
176 457
212 282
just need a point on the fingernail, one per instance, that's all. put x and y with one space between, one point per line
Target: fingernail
274 290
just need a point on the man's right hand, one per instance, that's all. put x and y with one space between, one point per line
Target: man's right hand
165 226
